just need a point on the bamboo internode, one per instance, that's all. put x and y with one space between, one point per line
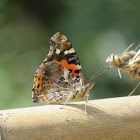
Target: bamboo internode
107 119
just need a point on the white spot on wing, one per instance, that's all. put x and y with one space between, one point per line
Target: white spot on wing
69 51
57 51
66 52
79 67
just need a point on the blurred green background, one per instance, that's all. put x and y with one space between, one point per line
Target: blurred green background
96 29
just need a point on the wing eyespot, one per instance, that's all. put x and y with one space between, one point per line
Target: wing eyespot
77 71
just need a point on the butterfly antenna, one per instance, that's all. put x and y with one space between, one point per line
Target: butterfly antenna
97 73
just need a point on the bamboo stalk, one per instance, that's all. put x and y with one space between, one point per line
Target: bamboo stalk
107 119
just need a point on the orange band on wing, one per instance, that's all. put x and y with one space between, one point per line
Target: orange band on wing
65 64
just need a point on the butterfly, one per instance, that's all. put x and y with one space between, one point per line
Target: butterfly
59 78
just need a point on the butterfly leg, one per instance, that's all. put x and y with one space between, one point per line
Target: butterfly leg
86 100
67 100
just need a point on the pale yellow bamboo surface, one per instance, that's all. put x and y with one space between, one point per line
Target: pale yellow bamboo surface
107 119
